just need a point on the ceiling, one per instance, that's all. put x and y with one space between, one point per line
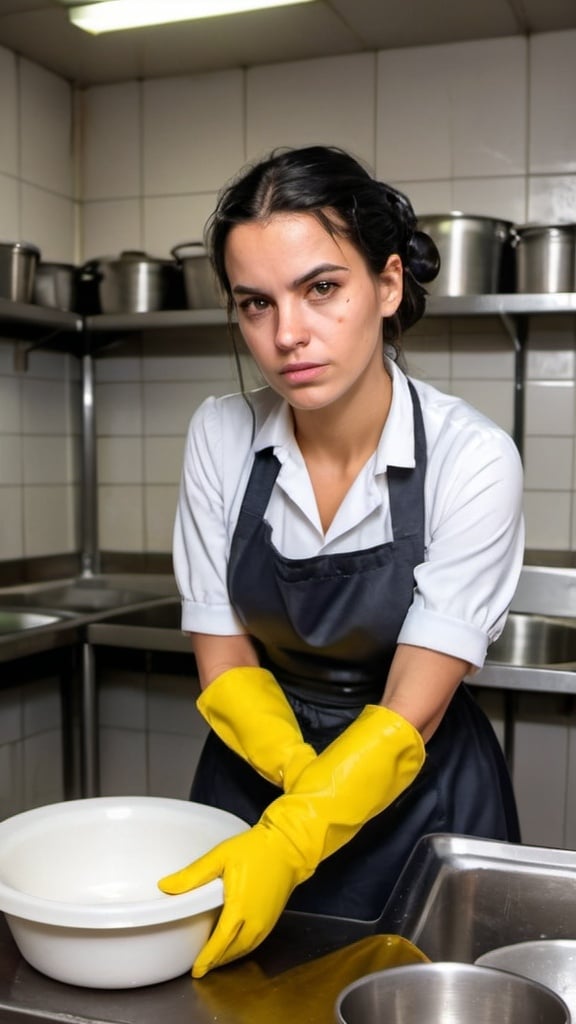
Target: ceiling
40 31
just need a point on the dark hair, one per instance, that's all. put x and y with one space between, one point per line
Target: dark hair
332 186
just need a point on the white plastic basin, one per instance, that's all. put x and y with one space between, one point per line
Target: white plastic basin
78 886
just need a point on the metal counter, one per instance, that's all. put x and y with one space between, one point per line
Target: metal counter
157 628
153 624
281 983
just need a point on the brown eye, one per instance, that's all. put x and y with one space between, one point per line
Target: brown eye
323 288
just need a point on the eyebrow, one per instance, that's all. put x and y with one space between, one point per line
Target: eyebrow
322 268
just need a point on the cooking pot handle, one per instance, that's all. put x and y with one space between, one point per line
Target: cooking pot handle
133 254
197 247
89 271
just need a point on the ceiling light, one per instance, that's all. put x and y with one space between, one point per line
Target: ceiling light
113 15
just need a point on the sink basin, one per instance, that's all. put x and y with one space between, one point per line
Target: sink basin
13 620
459 897
83 596
535 640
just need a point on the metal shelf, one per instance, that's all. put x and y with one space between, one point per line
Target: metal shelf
106 323
36 320
27 320
449 305
500 305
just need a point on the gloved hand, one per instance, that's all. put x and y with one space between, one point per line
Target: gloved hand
355 778
248 710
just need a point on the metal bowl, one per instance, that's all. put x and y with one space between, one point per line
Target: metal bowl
552 962
429 993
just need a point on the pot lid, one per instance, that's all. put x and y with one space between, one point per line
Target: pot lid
130 256
461 215
27 247
535 226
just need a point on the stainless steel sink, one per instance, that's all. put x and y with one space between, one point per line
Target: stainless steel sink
84 596
13 620
535 640
459 897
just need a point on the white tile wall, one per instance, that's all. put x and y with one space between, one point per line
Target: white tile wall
46 129
552 199
170 221
11 523
459 112
9 151
31 768
193 132
109 226
161 760
49 520
48 220
9 208
39 464
328 101
552 89
159 511
121 517
111 126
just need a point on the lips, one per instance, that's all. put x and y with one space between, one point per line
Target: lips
302 373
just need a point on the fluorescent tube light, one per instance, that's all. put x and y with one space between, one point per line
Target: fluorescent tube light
113 15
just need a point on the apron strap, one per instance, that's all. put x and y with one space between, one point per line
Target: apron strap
406 485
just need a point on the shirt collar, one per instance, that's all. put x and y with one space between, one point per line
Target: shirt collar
396 445
277 429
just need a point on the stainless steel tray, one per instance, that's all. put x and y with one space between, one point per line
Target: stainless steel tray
458 897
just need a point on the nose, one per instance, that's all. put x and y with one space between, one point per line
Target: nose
291 329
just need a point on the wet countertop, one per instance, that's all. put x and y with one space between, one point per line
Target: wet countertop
293 978
69 627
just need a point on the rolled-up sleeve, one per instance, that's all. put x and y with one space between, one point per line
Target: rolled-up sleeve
475 548
200 546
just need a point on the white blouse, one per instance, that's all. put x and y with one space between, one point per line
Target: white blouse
474 536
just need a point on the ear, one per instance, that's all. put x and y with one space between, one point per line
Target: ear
391 285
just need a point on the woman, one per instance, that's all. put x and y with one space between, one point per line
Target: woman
347 545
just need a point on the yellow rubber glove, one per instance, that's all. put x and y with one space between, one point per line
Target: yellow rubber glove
356 777
248 710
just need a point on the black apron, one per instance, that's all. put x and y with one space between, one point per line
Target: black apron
327 628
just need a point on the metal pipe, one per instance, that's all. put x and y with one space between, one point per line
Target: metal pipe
89 731
89 488
517 328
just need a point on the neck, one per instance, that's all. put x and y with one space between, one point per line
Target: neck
347 431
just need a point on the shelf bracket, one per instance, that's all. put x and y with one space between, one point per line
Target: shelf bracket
21 352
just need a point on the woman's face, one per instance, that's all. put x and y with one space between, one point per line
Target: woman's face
309 308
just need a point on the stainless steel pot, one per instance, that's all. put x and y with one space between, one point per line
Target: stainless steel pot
545 258
134 283
55 284
476 253
200 283
549 961
18 262
429 993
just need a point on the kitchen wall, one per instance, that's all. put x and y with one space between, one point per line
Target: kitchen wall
487 127
39 394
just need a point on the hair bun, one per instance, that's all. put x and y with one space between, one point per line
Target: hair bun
423 258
